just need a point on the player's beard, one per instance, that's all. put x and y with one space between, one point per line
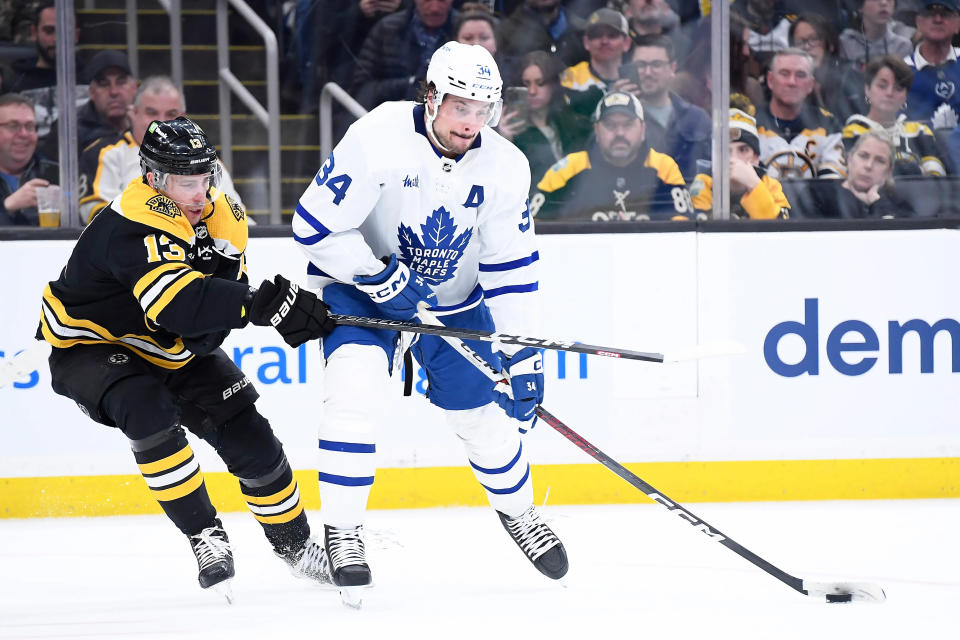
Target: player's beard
456 144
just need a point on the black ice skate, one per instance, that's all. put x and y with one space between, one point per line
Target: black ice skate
309 562
538 542
348 562
214 558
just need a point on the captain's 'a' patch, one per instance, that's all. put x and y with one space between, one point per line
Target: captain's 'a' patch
234 207
163 205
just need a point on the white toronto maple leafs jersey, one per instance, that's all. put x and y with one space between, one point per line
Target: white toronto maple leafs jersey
463 224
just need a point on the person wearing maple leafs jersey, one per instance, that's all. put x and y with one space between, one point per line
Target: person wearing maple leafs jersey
425 203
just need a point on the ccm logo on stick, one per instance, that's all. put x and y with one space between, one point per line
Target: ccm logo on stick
868 342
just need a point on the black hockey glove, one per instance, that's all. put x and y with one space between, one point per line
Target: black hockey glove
297 314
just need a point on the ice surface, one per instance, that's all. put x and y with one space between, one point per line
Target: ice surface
635 572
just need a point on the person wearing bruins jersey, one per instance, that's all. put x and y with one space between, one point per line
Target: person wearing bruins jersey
797 139
753 193
136 318
887 81
618 178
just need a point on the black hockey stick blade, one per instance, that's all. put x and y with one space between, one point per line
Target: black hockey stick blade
834 592
695 353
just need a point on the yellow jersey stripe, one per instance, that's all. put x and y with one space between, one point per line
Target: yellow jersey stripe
157 307
151 276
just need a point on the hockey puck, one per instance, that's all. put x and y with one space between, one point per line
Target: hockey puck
839 597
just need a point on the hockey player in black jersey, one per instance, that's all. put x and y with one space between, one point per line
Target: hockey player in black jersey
153 286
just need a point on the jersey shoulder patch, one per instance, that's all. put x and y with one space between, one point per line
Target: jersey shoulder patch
235 208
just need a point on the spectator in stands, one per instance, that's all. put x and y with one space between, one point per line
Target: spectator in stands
867 190
540 25
695 77
674 126
656 17
108 164
838 85
607 39
618 178
39 70
36 76
888 79
476 25
22 170
545 129
397 51
753 194
333 33
797 139
934 62
871 34
112 88
767 24
17 21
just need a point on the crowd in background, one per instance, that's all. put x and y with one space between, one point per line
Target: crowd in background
845 108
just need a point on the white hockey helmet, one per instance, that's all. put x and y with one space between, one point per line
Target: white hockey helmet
467 71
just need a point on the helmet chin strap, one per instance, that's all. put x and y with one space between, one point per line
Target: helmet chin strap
437 99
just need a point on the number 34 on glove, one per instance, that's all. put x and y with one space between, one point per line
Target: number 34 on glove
525 370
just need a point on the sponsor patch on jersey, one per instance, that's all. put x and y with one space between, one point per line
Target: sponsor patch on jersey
436 253
163 205
235 207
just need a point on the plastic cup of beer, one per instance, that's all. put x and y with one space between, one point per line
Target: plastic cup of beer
48 206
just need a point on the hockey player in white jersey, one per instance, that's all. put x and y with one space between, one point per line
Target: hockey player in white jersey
425 202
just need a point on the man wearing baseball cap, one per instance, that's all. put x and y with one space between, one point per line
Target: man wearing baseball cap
753 194
936 79
112 88
618 178
606 39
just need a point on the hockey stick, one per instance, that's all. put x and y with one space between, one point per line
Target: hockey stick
24 363
701 351
831 591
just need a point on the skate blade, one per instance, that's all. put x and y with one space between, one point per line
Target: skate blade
225 589
353 596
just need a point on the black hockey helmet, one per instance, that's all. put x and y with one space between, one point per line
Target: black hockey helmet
178 147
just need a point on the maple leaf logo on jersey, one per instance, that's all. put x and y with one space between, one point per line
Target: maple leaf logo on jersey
163 205
435 254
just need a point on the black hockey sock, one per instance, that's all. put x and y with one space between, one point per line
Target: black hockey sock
175 480
275 502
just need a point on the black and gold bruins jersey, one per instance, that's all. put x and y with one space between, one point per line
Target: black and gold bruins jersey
808 147
142 277
916 145
584 186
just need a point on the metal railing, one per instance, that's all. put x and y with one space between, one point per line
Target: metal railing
172 7
332 91
269 117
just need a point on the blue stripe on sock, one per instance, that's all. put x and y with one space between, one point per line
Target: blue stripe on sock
345 481
502 469
512 489
349 447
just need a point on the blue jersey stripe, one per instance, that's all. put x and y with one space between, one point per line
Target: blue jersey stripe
512 489
345 481
313 222
513 264
314 270
350 447
314 239
502 469
513 288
